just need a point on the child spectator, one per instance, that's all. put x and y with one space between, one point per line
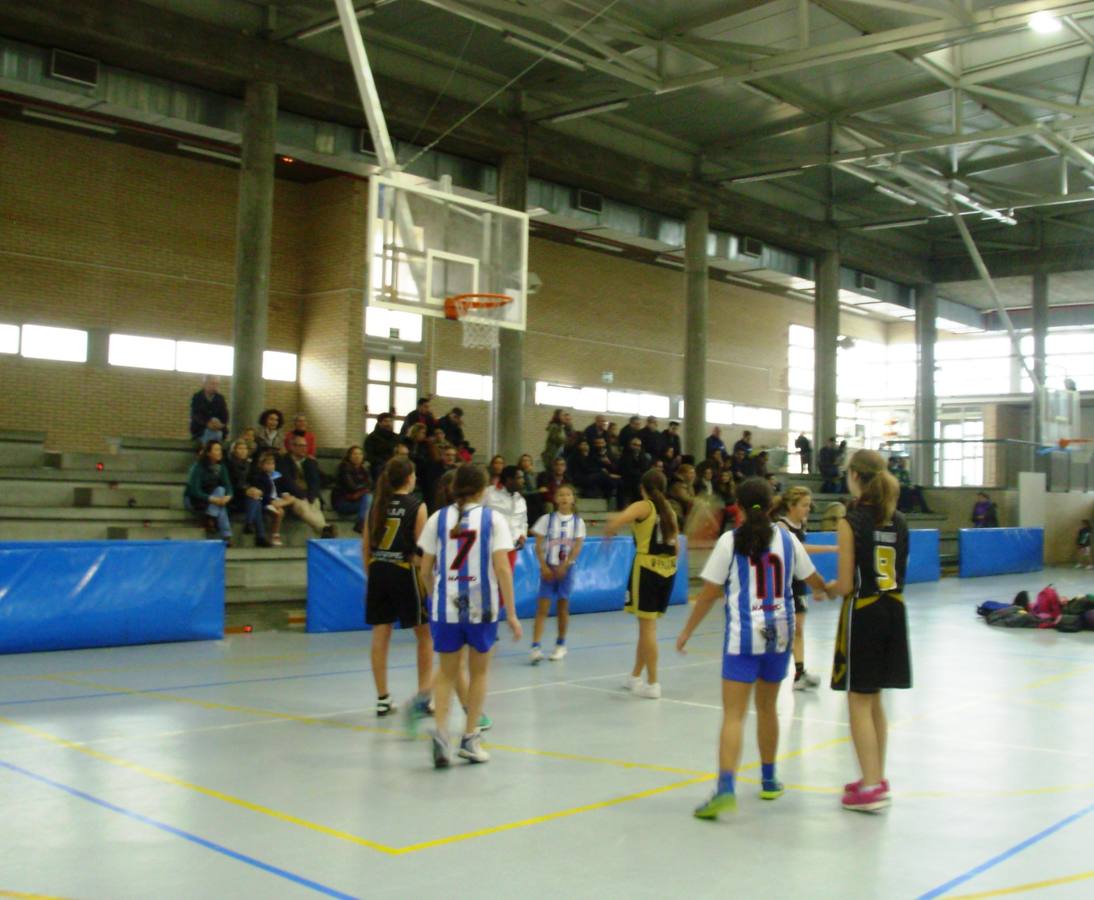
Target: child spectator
239 473
209 490
984 513
1082 544
264 480
352 491
249 436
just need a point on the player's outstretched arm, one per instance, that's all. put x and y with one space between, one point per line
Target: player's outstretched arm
504 575
708 595
632 513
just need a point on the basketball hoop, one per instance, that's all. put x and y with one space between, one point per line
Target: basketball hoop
477 335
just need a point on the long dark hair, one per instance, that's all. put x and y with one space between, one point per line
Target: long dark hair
395 474
443 494
346 457
753 538
654 484
203 457
879 488
470 481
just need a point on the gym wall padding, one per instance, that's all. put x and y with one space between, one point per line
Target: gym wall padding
60 595
1000 551
336 581
924 562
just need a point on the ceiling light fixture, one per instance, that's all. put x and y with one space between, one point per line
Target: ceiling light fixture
65 120
600 245
543 52
205 151
902 223
588 111
767 176
1045 23
893 194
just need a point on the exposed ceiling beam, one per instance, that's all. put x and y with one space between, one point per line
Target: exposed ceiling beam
1007 264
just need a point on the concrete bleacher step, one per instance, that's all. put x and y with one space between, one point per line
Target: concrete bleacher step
266 574
22 448
125 461
127 497
109 476
150 532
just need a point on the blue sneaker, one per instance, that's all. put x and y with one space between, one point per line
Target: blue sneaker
771 790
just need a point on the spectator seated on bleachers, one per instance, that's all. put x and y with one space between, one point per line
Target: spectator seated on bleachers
300 479
423 415
550 481
828 464
715 444
448 461
381 443
208 412
249 436
633 464
352 491
300 429
598 429
682 492
651 438
494 469
984 512
269 436
452 425
911 495
602 460
239 473
532 496
265 479
630 431
670 437
209 490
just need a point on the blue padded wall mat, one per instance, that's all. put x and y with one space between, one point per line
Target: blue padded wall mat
923 555
1000 551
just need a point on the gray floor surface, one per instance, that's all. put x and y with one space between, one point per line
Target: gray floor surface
254 767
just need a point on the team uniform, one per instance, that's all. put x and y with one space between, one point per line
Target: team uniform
872 642
559 533
393 592
466 598
514 508
654 569
797 586
759 605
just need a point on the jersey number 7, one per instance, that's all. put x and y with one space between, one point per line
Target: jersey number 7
466 540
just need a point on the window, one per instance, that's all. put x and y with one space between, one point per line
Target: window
204 359
64 344
654 405
758 417
559 395
464 385
393 324
801 336
601 400
141 352
278 366
719 413
9 338
591 399
392 386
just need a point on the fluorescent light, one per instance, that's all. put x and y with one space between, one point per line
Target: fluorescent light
899 196
65 120
205 151
767 176
588 111
1045 23
543 52
326 25
600 245
903 223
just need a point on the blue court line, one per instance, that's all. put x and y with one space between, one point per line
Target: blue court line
185 835
268 678
1005 855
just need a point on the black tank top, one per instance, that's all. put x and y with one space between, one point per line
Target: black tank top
797 585
881 552
397 544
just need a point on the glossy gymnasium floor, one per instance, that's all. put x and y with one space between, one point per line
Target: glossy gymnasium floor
254 767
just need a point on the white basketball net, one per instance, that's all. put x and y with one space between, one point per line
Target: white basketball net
480 335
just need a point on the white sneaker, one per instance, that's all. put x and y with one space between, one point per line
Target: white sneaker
649 691
471 748
633 683
535 656
557 653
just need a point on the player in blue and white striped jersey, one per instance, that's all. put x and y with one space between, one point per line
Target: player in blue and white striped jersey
751 570
559 538
465 558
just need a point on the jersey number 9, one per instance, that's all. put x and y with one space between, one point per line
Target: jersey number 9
885 566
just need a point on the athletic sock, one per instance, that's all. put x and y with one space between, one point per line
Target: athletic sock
535 644
725 782
561 642
767 771
799 670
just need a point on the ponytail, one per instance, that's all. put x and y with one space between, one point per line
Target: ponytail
879 488
654 485
395 474
470 481
753 538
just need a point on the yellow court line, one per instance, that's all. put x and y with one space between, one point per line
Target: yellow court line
1023 888
1060 676
24 896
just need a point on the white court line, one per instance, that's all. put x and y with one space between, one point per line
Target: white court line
576 681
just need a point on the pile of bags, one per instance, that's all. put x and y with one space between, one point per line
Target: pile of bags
1048 610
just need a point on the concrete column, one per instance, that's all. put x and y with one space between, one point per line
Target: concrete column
695 345
926 407
825 335
1040 335
507 410
254 229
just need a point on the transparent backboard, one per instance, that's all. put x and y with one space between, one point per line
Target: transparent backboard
426 244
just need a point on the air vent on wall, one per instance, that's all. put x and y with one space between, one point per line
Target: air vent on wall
866 282
589 202
73 67
751 247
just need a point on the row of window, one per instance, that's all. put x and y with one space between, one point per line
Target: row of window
135 351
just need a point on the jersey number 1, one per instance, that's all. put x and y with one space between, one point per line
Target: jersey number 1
466 540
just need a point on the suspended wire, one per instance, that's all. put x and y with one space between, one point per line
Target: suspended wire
551 49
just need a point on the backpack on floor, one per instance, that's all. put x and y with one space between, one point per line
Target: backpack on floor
990 606
1078 606
1047 607
1088 620
1012 617
1069 623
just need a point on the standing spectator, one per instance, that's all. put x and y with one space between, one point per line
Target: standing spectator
208 412
651 438
550 481
448 461
352 491
269 436
984 513
630 431
300 479
598 429
494 470
423 414
805 453
380 444
452 425
682 492
560 437
264 480
829 469
209 490
300 429
745 443
715 445
670 437
532 497
841 466
633 464
508 501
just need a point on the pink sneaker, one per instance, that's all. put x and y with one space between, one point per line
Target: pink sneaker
855 785
859 799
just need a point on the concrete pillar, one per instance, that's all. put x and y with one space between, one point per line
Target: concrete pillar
254 229
507 412
825 335
695 346
926 407
1040 335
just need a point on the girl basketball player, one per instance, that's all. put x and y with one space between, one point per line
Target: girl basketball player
872 642
793 511
655 528
560 536
751 569
465 555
